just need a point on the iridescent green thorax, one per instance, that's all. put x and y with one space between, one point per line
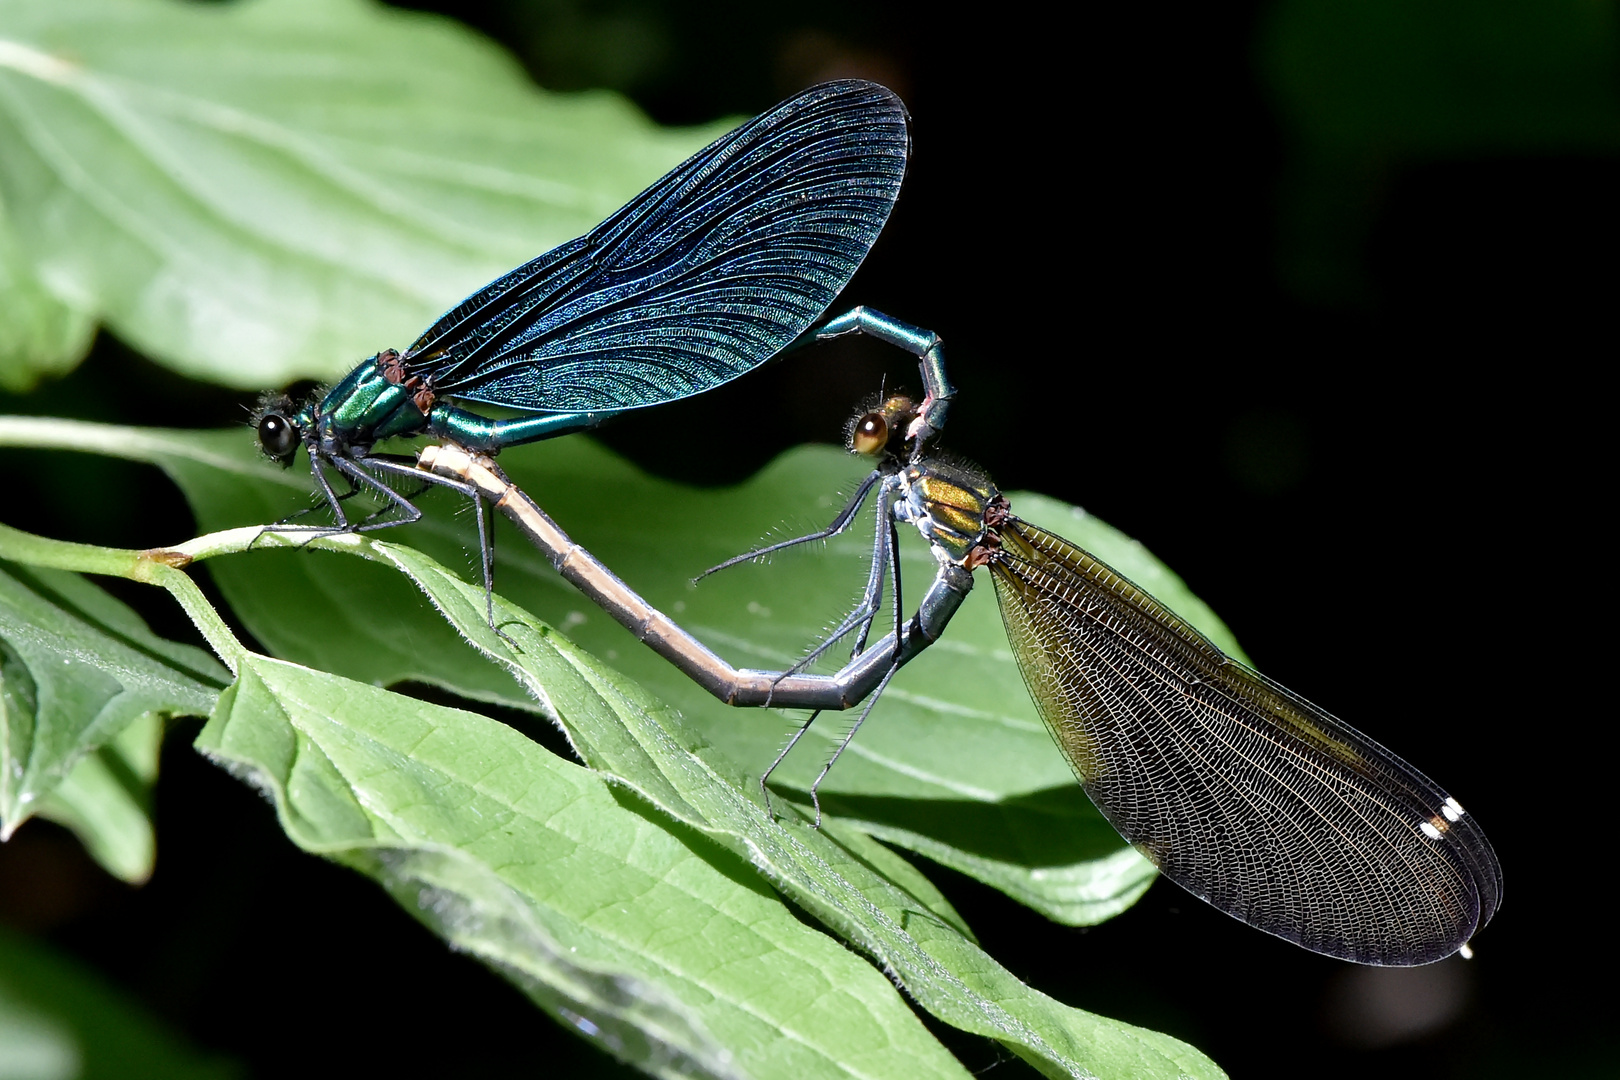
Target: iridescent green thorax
371 403
383 399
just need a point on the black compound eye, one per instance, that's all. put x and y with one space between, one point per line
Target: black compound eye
871 434
278 436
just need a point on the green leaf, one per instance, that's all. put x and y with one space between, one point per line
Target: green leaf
76 669
257 192
58 1020
39 334
660 946
617 727
106 800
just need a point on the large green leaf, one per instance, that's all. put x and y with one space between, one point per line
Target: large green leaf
260 191
77 668
620 729
658 945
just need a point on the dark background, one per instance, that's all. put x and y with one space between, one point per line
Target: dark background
1313 298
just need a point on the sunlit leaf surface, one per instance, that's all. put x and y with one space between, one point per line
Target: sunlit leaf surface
39 333
660 946
617 727
258 192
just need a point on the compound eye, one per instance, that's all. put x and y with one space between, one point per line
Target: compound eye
871 434
278 436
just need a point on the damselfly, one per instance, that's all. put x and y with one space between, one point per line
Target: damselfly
1240 791
714 269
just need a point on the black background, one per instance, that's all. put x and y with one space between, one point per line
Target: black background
1385 479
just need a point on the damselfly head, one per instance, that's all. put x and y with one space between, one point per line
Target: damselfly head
277 428
880 428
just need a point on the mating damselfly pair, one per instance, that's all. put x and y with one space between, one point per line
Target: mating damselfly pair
1240 791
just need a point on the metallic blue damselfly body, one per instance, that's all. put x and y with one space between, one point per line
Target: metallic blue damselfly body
714 269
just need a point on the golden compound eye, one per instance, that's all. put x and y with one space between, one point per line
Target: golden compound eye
871 434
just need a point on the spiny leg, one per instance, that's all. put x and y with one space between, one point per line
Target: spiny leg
332 500
370 521
891 559
341 496
871 601
899 613
839 524
884 552
871 597
357 478
791 743
334 503
486 542
355 473
815 798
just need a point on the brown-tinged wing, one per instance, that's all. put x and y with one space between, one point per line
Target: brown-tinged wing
1243 793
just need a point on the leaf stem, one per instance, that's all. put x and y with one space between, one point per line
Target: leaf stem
158 566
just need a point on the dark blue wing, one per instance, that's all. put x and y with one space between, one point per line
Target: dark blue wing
700 278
